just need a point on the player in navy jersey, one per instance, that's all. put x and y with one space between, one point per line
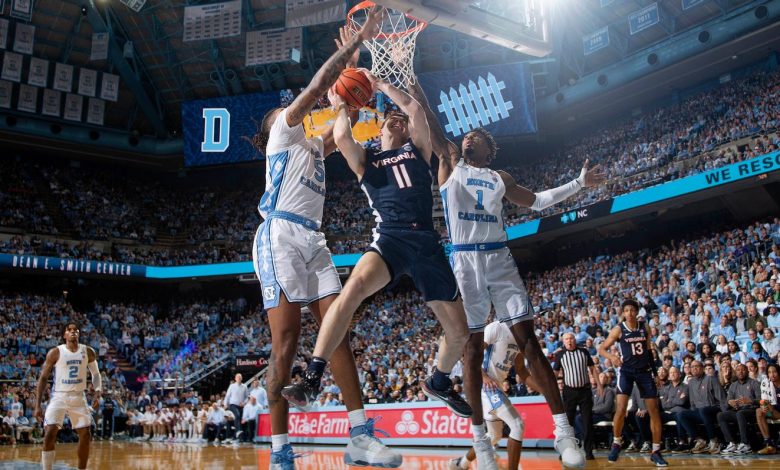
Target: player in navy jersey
635 367
398 184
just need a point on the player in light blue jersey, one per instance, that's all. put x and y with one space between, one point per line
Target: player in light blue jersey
293 263
486 273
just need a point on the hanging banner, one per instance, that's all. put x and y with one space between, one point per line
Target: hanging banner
39 72
109 88
642 19
87 82
127 50
3 32
99 46
73 104
134 5
51 103
313 12
688 4
6 90
272 45
218 20
96 111
595 41
22 9
12 67
24 39
63 77
28 99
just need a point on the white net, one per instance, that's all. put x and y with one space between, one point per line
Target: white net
392 50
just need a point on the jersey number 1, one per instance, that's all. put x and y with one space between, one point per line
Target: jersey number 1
480 195
402 177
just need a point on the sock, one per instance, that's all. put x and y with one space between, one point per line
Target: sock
440 380
656 447
278 441
561 421
356 418
463 463
47 459
316 369
617 440
478 431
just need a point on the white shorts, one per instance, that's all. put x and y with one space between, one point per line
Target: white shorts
293 259
72 403
490 277
502 411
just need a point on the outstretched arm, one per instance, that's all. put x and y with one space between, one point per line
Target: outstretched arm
353 152
51 359
327 75
523 197
447 151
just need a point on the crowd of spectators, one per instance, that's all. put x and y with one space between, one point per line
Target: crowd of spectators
21 206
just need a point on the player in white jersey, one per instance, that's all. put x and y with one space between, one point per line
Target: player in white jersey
70 362
483 265
501 354
293 262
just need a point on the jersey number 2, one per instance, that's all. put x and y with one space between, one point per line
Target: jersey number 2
73 372
402 177
637 349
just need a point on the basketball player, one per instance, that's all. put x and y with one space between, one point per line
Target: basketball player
293 262
501 353
70 362
635 366
397 181
487 274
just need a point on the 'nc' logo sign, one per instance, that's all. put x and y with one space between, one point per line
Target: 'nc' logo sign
210 142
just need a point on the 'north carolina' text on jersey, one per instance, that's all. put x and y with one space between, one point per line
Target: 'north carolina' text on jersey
294 172
633 347
398 185
70 371
472 199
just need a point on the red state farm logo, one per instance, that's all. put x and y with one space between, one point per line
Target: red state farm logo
407 425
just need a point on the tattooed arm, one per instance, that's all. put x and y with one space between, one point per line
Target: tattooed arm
445 149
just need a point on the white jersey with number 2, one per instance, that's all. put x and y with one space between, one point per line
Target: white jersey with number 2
70 371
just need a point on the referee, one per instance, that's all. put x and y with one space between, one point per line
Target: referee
577 368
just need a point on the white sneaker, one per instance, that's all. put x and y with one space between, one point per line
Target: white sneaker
729 449
569 448
486 455
458 464
645 448
714 447
366 450
743 449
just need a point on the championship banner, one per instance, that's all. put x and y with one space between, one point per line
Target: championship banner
420 424
51 102
28 99
272 45
313 12
688 4
595 41
12 67
22 9
109 87
3 33
63 77
251 364
69 265
499 98
99 46
6 91
134 5
73 105
39 72
96 110
87 82
218 20
642 19
24 38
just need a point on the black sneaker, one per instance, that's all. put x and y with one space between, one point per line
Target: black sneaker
454 402
301 395
681 448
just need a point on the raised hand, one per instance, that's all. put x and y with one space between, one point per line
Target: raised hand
345 34
591 176
373 23
335 99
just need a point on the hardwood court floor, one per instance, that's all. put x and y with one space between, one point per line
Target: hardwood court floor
160 456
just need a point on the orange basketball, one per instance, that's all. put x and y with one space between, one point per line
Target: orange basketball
354 87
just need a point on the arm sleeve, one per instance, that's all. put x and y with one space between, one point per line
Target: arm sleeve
553 196
97 380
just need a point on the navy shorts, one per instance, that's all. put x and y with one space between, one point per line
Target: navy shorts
419 255
627 378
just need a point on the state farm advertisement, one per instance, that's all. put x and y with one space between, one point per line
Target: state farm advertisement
420 423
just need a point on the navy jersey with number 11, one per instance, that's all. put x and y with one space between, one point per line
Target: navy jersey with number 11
633 347
398 185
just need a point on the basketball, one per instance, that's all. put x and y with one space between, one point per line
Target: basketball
354 87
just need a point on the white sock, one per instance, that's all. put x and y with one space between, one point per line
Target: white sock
656 447
478 431
47 459
617 440
357 418
278 441
463 463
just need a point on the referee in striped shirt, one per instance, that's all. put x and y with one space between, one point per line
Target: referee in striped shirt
578 371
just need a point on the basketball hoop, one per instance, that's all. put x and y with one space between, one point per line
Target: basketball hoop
392 49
